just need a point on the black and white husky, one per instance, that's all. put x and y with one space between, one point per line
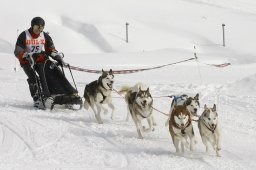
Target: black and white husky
209 129
192 104
99 92
139 104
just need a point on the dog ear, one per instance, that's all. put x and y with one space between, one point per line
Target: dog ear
110 71
205 107
102 71
148 89
188 102
214 108
197 96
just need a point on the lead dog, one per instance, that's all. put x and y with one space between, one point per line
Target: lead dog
192 104
139 104
181 129
209 129
99 92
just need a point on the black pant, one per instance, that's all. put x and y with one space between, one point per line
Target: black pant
35 86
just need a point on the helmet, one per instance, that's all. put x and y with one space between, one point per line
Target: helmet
37 21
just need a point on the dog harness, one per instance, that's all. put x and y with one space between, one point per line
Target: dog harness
144 116
182 129
176 99
210 129
100 84
104 97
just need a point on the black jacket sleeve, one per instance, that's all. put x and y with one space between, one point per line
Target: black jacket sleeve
49 45
20 46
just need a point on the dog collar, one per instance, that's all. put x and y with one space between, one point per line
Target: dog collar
145 116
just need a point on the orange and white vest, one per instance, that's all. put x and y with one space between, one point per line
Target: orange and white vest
34 45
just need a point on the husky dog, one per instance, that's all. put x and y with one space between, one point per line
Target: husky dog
98 93
139 104
180 127
209 129
131 90
192 104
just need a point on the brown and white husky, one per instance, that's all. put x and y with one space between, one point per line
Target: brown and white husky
181 129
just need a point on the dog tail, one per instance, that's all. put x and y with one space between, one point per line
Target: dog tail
124 89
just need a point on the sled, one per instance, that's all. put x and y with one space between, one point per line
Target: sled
52 83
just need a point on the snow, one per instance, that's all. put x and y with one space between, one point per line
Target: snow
92 35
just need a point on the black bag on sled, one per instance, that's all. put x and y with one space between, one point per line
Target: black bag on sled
59 87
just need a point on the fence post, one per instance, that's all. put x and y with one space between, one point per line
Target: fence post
223 33
126 24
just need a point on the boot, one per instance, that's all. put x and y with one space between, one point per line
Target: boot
48 102
39 104
33 89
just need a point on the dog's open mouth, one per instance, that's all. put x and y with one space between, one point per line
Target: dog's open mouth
144 104
110 85
212 126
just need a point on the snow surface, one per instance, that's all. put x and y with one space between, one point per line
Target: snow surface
91 33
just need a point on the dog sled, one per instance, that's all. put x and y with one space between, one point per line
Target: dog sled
53 87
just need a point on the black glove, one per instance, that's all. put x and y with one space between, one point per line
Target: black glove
35 56
59 59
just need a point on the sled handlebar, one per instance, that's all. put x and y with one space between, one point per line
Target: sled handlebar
32 62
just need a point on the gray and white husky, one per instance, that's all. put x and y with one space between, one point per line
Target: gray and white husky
209 129
139 104
99 92
192 104
181 129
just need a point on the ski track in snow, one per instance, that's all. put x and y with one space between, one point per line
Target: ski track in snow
114 146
